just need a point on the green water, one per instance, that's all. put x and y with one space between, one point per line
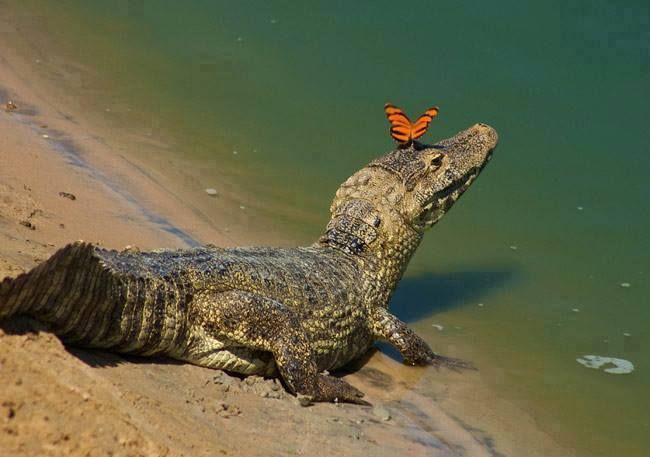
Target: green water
297 89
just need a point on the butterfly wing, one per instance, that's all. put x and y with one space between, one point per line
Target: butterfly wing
400 125
422 123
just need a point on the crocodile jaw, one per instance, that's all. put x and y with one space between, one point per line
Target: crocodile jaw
463 158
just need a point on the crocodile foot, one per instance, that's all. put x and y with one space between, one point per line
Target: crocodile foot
451 363
440 361
329 388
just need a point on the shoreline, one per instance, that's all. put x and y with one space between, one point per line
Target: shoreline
97 402
114 179
123 148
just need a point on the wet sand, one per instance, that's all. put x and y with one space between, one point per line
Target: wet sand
59 400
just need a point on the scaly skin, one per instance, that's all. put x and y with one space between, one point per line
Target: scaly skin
294 312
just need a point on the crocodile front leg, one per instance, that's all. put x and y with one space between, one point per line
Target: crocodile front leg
414 349
256 322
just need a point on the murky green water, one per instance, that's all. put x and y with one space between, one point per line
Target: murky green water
543 240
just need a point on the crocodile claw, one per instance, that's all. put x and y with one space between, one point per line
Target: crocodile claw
337 390
440 361
451 363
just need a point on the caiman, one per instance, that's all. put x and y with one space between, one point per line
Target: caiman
297 312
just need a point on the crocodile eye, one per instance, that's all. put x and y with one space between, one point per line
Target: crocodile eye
436 161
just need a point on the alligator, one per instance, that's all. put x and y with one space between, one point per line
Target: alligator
295 313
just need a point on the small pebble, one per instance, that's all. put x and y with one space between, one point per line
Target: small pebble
381 413
225 410
10 106
68 195
211 192
304 400
235 153
45 135
28 224
625 284
242 207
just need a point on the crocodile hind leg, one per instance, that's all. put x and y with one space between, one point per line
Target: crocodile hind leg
257 323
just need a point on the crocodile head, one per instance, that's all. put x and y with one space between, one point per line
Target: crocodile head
434 178
406 191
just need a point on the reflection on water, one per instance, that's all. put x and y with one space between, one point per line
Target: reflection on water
282 101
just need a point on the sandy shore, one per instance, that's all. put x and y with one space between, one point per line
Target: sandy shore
64 178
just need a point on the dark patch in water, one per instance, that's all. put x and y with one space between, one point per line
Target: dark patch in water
68 117
482 437
72 155
426 441
420 296
27 110
423 422
377 378
423 432
416 413
53 133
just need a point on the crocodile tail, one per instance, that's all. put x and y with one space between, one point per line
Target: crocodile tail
45 282
60 291
88 302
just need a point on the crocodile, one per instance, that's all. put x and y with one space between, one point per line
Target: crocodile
294 313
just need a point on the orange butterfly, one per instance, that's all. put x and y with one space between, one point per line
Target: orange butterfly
402 129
